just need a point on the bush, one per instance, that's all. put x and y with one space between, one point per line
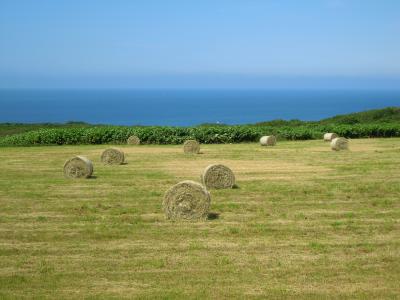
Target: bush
204 134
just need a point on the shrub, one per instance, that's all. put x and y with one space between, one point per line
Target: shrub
203 134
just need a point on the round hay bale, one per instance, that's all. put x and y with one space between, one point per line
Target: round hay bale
133 140
187 200
78 167
112 156
268 140
218 177
330 136
191 146
339 144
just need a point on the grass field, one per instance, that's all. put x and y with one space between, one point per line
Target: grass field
305 222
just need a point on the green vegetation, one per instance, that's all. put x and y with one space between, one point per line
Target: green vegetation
305 222
385 115
205 135
15 128
376 123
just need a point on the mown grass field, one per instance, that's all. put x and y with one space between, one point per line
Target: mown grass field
305 222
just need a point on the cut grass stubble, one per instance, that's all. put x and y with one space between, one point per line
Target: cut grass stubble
306 222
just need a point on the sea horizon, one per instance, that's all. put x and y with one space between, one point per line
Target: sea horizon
185 106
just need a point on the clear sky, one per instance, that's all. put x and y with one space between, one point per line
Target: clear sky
200 44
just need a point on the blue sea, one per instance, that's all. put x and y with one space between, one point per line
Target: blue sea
185 107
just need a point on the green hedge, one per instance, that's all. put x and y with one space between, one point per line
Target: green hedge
204 134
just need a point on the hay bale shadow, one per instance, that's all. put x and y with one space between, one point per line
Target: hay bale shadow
212 216
235 186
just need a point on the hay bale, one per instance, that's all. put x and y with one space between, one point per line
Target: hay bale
191 146
133 140
187 200
218 177
78 167
268 140
112 156
340 143
330 136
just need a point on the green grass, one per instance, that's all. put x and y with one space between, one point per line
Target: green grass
305 222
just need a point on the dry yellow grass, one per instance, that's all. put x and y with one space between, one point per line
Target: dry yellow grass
305 223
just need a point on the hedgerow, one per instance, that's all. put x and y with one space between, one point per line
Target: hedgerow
204 134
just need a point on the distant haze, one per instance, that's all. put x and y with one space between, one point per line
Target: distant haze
200 44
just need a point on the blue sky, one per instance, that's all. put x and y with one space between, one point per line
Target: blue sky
200 44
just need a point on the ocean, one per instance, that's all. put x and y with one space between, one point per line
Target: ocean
185 107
